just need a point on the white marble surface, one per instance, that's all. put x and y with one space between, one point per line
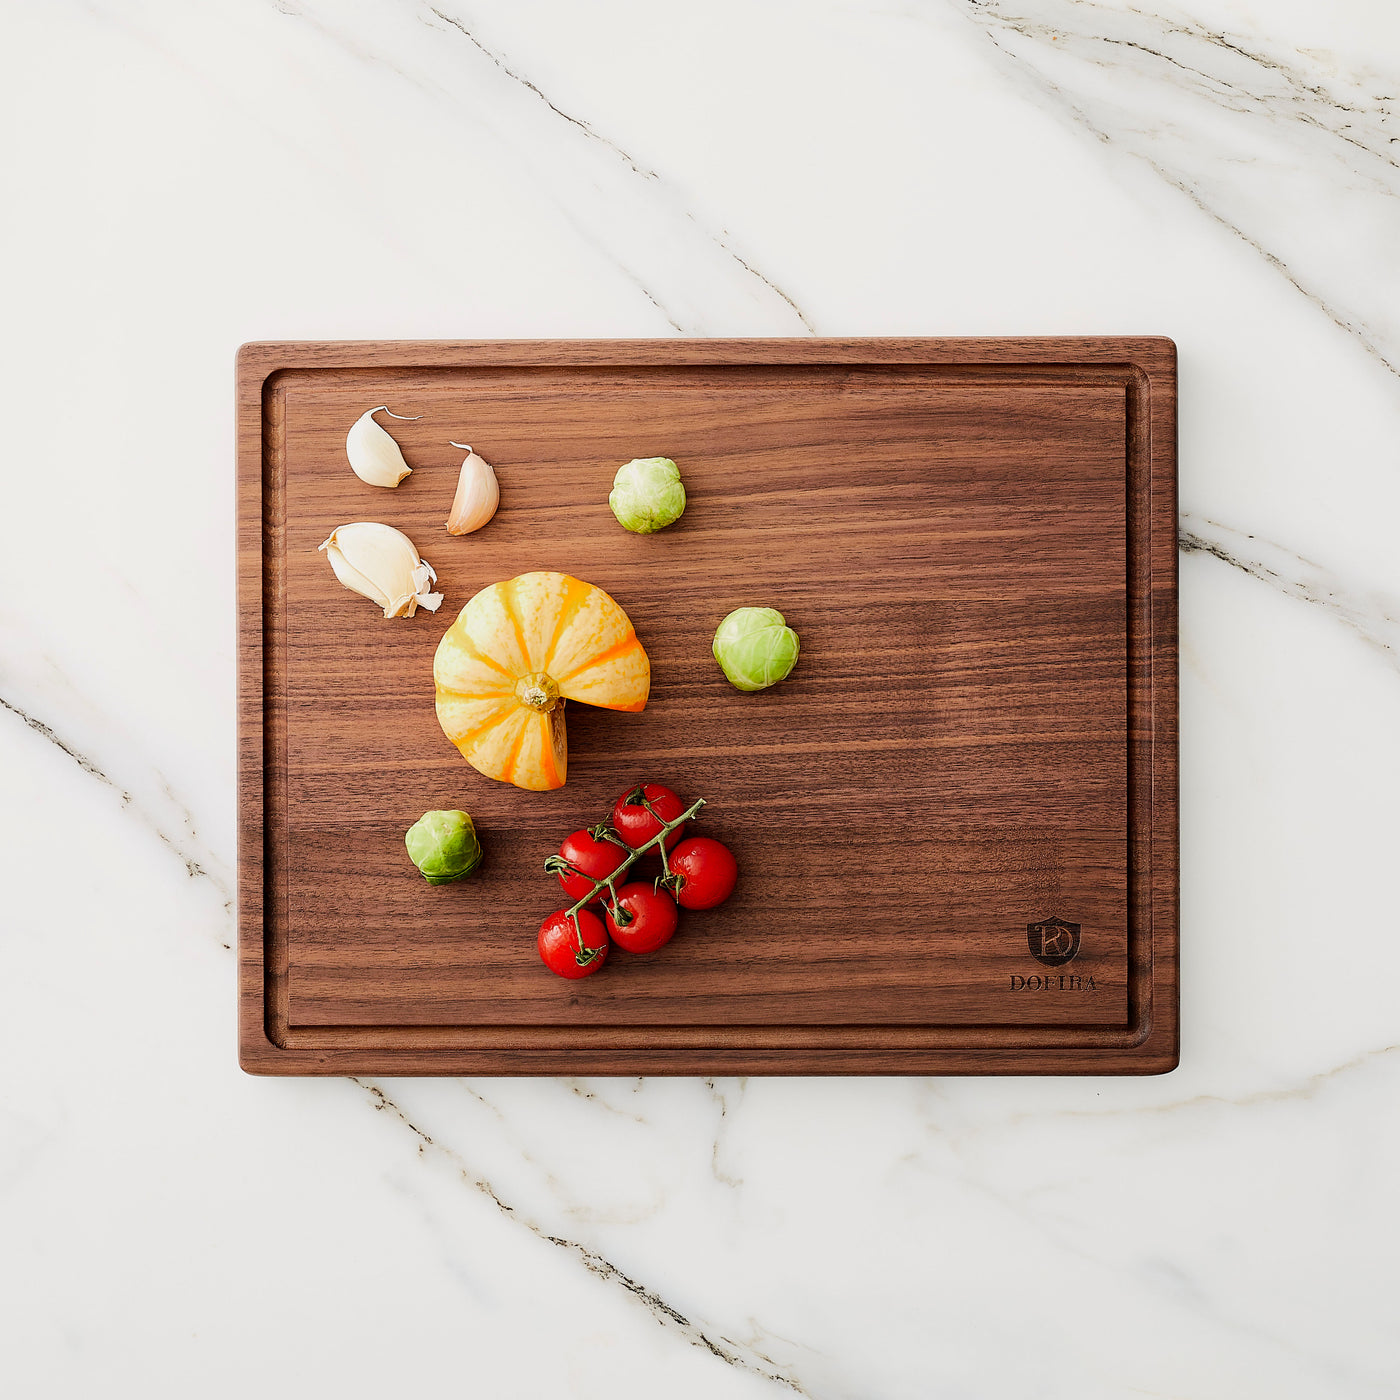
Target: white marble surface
181 178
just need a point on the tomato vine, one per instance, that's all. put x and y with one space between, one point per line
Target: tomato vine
555 864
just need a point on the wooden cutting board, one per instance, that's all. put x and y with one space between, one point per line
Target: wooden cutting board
956 822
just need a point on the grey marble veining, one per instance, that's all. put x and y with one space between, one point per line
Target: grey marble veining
1247 126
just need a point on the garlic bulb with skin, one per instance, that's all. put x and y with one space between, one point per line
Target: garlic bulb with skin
478 494
381 563
374 456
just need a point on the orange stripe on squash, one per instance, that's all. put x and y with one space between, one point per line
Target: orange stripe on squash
508 770
504 627
617 649
490 722
508 591
575 596
462 641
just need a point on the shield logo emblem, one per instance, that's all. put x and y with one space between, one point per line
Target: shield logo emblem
1053 942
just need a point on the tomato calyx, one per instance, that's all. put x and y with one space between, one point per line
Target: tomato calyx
603 832
644 810
584 956
638 798
669 880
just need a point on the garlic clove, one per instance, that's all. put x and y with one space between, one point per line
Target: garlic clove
478 494
351 577
382 564
374 456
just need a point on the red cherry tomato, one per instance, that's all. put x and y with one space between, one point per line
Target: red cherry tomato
707 872
560 946
582 859
635 815
652 922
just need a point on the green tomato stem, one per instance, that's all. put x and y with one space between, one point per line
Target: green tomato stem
659 838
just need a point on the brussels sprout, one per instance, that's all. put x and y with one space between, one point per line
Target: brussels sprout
443 846
647 495
755 648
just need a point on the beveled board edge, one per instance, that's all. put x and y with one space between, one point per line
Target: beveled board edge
1153 1048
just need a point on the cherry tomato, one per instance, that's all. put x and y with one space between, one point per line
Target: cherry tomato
582 859
637 823
653 920
559 943
707 872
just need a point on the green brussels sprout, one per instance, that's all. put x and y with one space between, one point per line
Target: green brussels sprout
755 648
647 495
443 846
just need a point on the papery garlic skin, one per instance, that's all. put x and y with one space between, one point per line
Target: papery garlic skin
374 456
478 494
381 563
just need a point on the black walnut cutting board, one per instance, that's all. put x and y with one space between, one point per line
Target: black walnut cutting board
956 822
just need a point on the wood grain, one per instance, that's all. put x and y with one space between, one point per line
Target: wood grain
976 542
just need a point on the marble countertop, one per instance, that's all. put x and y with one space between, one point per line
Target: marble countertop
183 178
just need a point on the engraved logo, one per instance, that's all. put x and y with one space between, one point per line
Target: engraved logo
1053 942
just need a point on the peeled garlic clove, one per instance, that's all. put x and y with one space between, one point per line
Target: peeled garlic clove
382 564
478 494
374 456
351 577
